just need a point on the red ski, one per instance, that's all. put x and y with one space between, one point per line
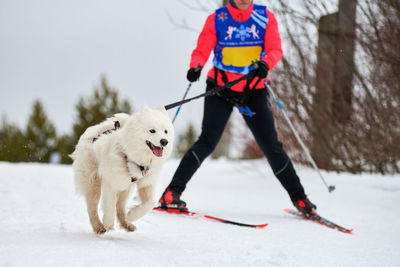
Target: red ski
318 219
208 217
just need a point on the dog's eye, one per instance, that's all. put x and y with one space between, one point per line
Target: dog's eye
165 131
153 131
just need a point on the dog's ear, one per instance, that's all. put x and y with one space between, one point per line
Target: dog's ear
145 108
162 108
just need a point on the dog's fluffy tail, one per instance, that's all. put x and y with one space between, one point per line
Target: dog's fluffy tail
97 130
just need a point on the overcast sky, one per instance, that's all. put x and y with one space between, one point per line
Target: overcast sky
56 51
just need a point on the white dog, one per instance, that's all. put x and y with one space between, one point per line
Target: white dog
117 154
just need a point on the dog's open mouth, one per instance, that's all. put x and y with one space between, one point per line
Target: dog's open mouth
157 151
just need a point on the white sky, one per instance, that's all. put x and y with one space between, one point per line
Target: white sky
56 51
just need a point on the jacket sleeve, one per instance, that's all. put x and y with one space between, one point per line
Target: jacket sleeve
272 42
205 43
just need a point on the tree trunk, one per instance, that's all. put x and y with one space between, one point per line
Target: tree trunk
332 100
342 93
322 98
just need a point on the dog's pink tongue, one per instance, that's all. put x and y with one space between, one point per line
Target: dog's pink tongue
157 151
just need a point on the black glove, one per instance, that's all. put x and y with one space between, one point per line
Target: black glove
260 69
193 74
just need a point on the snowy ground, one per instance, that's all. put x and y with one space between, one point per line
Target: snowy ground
43 222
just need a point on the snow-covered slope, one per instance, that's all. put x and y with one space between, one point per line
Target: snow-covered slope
43 222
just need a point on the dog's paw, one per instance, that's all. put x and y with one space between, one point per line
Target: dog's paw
129 227
131 215
99 229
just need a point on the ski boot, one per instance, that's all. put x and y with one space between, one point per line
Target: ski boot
171 200
305 206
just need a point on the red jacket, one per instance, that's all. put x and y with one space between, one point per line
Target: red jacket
208 40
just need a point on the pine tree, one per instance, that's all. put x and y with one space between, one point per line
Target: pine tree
91 110
185 141
65 146
102 104
40 135
13 146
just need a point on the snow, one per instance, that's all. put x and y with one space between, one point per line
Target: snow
43 222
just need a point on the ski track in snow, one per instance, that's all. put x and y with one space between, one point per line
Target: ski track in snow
43 222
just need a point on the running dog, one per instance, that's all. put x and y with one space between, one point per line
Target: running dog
113 157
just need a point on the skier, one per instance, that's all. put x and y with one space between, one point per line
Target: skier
233 58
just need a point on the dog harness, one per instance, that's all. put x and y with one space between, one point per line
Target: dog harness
117 125
143 169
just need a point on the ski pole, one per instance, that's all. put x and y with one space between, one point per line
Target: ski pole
184 96
329 187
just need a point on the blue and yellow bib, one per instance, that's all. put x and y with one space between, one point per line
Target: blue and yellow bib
239 43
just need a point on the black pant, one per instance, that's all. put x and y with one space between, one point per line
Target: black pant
216 114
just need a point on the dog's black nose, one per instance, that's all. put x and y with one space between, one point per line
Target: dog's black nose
164 142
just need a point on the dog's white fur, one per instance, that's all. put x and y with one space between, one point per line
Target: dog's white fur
102 170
